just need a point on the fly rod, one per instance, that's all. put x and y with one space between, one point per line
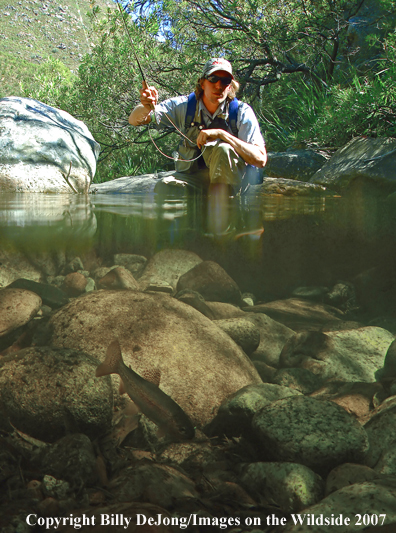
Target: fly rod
176 156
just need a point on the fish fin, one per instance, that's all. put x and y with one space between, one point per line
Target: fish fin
131 409
122 389
153 375
112 360
161 432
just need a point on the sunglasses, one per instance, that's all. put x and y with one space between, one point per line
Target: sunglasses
224 81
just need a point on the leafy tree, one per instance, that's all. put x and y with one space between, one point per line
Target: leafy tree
291 58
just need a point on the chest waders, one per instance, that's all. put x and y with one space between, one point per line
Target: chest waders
193 127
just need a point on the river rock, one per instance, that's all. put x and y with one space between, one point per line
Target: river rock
287 187
299 314
235 414
199 364
356 398
273 337
17 307
350 355
294 164
212 282
298 379
290 486
243 332
159 484
317 434
370 499
47 392
118 278
44 149
388 372
381 431
197 301
74 284
50 295
168 265
364 159
71 458
223 311
348 474
134 263
14 265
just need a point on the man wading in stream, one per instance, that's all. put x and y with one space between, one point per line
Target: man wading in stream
229 150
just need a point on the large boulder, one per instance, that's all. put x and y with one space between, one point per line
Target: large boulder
48 392
294 164
350 355
44 149
199 364
364 160
318 434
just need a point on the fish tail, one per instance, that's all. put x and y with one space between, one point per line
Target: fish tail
112 360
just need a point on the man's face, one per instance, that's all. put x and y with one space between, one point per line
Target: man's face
215 93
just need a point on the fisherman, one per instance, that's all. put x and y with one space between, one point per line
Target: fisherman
228 153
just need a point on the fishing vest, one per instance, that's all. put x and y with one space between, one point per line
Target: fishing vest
193 127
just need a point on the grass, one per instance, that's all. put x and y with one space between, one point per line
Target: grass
31 31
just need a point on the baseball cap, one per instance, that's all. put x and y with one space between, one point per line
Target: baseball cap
217 63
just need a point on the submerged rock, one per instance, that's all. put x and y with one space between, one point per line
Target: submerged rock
44 149
317 434
242 331
236 413
168 265
381 431
290 486
350 355
199 365
17 307
374 500
50 295
48 392
299 314
212 282
73 459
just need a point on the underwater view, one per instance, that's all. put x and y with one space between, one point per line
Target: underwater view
250 344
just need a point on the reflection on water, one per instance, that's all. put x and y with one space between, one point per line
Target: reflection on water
46 220
306 240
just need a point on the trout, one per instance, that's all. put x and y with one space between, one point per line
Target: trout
150 399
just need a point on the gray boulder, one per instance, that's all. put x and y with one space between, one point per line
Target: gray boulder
317 434
363 160
44 149
294 164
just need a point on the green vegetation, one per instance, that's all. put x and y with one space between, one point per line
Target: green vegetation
314 76
31 31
